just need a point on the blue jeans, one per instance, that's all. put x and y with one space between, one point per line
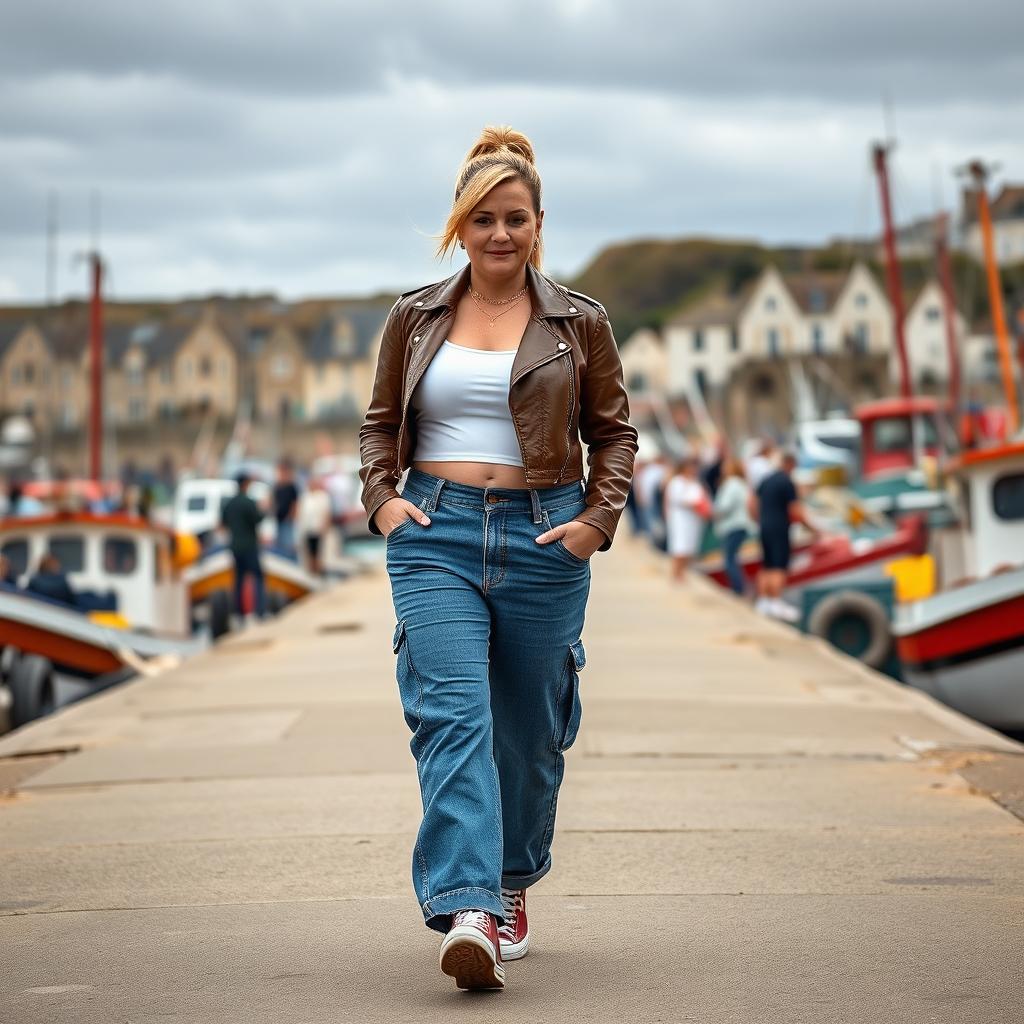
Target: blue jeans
488 652
731 548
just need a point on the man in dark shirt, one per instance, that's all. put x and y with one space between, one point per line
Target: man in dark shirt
777 507
49 581
240 517
286 497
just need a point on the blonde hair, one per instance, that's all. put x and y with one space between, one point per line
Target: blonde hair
500 154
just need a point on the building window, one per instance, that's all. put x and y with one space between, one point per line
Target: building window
167 374
16 553
773 341
69 551
734 339
932 313
637 382
701 379
860 300
136 409
698 340
16 375
205 366
280 366
135 376
29 373
817 339
770 304
1008 496
861 337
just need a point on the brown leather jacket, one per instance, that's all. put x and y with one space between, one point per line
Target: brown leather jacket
566 384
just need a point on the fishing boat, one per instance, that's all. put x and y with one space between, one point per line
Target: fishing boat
128 603
965 644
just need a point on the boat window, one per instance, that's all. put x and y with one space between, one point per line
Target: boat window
848 442
120 556
69 551
16 553
196 503
893 434
1008 496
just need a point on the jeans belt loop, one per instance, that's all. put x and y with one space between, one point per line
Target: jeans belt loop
535 503
433 499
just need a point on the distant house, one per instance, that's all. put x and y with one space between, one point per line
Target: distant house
341 361
1007 224
27 366
644 363
924 329
278 355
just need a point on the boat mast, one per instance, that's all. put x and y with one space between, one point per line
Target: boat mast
96 369
979 172
949 304
880 152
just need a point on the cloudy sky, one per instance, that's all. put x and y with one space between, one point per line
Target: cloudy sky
309 147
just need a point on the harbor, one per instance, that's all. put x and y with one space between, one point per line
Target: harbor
752 827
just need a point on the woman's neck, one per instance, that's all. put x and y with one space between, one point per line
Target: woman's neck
497 288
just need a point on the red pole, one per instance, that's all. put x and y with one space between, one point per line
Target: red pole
892 267
949 305
96 370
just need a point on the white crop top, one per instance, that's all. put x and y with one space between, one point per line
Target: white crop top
461 407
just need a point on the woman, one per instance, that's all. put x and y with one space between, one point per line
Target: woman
485 385
685 501
732 519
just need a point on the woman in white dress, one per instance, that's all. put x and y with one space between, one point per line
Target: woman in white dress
685 499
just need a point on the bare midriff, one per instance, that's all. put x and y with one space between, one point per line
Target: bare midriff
476 474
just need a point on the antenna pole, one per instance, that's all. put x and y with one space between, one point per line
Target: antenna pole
949 305
880 152
979 172
96 369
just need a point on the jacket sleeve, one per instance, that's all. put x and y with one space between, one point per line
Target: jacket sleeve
605 428
378 435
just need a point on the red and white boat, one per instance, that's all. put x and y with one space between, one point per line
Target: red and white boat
965 645
836 560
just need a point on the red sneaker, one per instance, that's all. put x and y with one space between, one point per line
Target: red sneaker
471 952
514 934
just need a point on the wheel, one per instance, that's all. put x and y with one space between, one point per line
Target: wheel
854 623
220 613
31 684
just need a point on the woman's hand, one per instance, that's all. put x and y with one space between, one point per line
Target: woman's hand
586 539
395 511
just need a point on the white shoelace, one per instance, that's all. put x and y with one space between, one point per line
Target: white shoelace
472 919
512 902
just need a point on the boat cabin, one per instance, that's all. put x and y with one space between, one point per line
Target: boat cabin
887 430
117 562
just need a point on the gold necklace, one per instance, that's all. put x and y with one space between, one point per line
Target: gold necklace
497 302
511 303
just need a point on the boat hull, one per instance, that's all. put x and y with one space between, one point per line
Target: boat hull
965 647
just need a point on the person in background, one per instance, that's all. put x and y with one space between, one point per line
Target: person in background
286 499
685 499
20 504
712 464
761 463
241 517
778 506
49 580
314 518
732 519
8 577
649 480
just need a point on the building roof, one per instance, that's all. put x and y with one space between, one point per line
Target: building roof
365 323
713 310
1008 204
9 330
815 291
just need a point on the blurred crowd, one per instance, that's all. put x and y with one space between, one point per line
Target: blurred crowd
687 505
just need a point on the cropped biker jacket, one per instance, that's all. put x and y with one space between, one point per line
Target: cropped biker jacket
566 385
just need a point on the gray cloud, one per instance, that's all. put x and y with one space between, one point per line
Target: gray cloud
311 147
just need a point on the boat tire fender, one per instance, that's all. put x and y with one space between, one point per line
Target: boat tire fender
220 613
32 689
862 606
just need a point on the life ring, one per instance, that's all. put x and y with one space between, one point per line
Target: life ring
829 613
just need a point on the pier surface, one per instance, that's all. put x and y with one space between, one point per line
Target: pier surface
752 829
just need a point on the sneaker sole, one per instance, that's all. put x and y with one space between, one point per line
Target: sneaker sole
469 961
515 950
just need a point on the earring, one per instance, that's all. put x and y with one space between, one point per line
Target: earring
536 242
462 245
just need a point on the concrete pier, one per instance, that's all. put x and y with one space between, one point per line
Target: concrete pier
752 829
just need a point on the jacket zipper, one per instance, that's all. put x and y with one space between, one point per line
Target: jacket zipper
568 419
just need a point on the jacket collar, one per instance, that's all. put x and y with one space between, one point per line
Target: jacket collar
549 300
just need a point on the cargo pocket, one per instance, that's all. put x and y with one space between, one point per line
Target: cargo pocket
409 688
570 709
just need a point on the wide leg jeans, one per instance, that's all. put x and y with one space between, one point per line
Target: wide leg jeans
489 649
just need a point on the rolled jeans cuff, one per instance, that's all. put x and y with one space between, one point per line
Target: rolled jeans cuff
525 881
438 909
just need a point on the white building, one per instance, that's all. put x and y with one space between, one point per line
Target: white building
924 330
1007 225
644 363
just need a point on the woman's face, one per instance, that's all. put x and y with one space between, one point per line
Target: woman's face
499 234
